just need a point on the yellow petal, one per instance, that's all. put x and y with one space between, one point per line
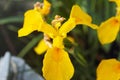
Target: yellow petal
32 22
57 65
58 42
46 8
108 70
81 17
108 30
67 27
48 29
41 47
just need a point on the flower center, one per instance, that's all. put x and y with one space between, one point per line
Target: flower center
38 5
56 23
48 40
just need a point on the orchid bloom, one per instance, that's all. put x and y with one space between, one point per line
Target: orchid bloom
108 70
34 18
108 30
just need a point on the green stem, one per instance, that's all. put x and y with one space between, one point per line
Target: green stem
29 46
106 9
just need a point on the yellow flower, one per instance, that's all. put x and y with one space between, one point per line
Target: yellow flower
108 30
56 64
34 18
108 70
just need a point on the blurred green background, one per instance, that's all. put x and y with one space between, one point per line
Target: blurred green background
85 53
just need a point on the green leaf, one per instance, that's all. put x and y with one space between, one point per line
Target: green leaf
12 19
118 38
29 46
106 47
118 56
79 58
